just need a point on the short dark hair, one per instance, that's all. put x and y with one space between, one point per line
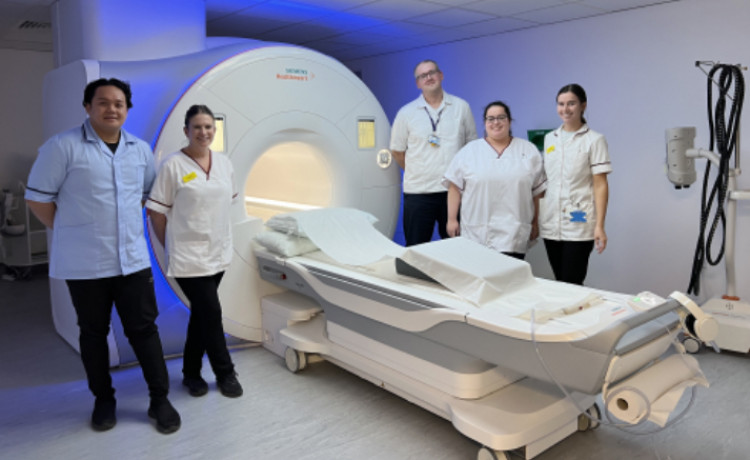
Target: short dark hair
195 110
88 93
577 90
426 61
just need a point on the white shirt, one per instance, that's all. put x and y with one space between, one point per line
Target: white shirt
411 131
196 203
567 211
497 193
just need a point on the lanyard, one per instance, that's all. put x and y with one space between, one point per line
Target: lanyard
434 122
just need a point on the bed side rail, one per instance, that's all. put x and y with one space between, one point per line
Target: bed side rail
649 324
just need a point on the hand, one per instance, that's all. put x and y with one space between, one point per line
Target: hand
600 240
534 231
453 228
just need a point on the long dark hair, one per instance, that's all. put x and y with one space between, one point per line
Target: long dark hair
578 91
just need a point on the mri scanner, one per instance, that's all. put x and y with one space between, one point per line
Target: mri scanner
306 136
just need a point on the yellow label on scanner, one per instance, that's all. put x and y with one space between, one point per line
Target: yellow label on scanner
188 177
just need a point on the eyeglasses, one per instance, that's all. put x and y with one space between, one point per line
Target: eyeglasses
498 119
426 75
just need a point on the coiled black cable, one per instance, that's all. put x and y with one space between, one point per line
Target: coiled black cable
724 137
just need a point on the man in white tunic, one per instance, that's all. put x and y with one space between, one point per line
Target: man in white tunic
425 136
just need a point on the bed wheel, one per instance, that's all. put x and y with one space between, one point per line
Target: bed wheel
295 360
485 453
585 423
692 345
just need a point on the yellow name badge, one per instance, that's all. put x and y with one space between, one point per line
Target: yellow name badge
188 177
551 148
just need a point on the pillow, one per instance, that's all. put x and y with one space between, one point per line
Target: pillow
285 245
287 222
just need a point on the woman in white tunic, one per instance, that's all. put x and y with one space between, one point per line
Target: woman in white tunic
496 182
189 210
576 160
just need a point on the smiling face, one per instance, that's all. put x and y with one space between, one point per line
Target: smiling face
497 123
429 77
107 112
200 131
570 109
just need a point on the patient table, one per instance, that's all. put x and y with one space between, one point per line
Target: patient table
488 352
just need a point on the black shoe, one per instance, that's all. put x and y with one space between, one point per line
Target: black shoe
196 385
167 418
103 418
229 386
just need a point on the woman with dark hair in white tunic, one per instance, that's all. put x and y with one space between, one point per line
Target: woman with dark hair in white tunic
576 160
496 182
189 209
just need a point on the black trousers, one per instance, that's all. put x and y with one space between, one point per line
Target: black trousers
421 212
205 334
133 296
569 259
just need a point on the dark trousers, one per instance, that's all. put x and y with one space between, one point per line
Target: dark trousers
421 212
133 296
205 334
569 259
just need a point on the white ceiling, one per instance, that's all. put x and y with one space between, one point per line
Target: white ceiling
344 29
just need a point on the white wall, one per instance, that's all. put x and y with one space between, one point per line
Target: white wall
21 78
638 70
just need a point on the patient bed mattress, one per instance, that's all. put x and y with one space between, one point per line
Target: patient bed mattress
433 323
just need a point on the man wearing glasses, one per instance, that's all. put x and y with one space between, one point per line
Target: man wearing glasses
425 136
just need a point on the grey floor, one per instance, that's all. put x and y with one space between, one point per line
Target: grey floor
320 413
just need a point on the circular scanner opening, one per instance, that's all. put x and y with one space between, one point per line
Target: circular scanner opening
290 176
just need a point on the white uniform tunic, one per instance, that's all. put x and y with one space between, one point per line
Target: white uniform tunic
411 132
196 203
571 160
497 205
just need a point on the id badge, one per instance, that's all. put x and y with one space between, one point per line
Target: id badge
434 140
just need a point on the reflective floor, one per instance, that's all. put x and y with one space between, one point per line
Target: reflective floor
321 413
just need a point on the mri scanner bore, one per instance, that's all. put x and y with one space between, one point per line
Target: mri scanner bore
290 176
